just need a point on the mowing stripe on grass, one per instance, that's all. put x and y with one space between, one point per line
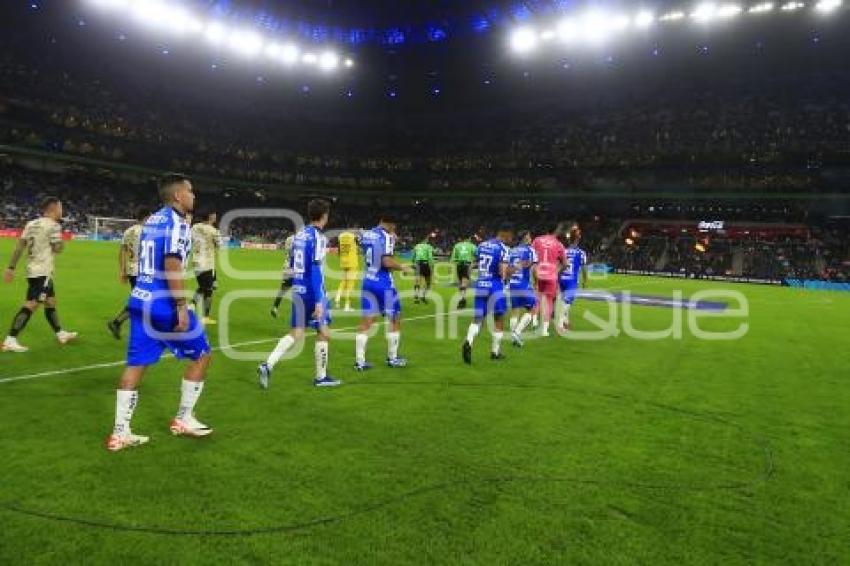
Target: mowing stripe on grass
229 347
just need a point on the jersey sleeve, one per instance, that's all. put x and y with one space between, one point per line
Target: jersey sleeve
454 253
532 256
176 240
387 245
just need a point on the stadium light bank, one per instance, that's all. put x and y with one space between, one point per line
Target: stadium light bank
177 21
596 26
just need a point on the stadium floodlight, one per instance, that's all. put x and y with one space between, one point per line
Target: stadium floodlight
111 4
246 43
644 19
827 5
310 59
729 11
792 6
215 33
289 54
151 12
762 8
596 26
567 30
548 35
523 40
349 63
328 61
273 50
672 16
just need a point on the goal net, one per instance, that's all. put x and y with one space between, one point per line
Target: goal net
105 228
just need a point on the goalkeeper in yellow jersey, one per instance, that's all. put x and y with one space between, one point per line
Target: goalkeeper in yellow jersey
349 262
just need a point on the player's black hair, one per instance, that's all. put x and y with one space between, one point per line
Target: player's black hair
142 212
317 208
557 228
48 202
389 217
522 234
204 214
506 227
167 183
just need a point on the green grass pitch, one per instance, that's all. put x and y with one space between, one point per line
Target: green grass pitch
616 451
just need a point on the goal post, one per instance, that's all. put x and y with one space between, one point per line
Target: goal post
107 228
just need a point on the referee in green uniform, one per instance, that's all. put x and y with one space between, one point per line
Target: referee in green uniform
423 263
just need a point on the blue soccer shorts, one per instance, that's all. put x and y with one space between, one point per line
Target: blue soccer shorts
523 299
380 301
490 301
149 341
303 309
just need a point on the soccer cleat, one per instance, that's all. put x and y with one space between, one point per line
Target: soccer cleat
565 327
114 329
189 426
11 344
397 362
516 340
467 353
117 442
64 337
274 312
497 357
365 366
327 381
264 374
207 321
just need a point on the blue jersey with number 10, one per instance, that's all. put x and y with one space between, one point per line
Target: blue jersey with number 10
165 233
376 244
491 255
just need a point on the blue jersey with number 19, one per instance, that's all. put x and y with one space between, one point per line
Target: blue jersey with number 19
306 258
165 233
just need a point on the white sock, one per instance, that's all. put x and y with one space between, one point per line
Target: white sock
523 323
565 315
544 328
125 404
321 351
513 323
189 393
497 341
535 320
360 341
473 331
393 338
282 347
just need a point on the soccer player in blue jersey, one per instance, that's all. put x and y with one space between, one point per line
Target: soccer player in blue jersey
379 296
160 318
523 260
575 267
493 270
310 306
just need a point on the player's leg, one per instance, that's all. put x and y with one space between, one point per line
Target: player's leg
35 294
480 310
52 316
298 323
115 324
428 276
371 303
285 285
569 296
393 313
340 290
321 353
499 308
462 284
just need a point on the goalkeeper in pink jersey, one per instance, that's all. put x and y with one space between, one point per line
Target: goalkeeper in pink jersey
551 257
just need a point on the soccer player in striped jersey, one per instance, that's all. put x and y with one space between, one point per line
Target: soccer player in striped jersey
575 268
160 318
493 270
379 295
523 260
310 305
286 282
128 266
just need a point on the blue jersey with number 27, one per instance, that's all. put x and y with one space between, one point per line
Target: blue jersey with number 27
491 255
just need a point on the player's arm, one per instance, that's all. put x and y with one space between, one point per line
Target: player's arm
56 243
584 272
453 258
174 276
9 275
390 263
